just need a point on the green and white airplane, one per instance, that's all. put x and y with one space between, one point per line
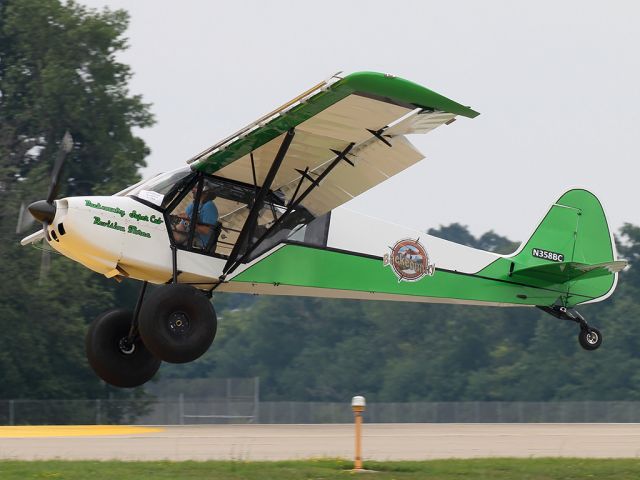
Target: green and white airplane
260 212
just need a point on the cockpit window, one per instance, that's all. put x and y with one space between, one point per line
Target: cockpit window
208 215
163 188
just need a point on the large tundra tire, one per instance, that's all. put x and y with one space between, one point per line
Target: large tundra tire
177 323
115 360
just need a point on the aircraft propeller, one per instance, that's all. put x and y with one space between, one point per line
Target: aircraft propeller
45 210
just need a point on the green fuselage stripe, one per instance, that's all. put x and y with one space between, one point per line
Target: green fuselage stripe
305 266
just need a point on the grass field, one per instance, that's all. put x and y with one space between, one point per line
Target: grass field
495 469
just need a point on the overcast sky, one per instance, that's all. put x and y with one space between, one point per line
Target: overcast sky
557 85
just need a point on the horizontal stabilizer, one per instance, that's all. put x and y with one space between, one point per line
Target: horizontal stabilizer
561 272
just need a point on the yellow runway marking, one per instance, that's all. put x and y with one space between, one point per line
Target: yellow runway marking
73 431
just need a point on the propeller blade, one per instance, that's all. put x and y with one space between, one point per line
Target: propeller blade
45 262
25 219
65 147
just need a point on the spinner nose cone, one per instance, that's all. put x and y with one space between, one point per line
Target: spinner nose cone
43 211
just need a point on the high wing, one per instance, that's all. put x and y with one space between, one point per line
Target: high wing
331 143
372 111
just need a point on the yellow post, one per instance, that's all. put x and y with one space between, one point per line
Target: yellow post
357 405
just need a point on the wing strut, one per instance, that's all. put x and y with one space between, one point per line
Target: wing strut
293 204
250 224
340 155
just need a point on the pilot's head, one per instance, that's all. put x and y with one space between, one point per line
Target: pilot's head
207 192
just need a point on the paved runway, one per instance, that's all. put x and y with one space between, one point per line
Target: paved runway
277 442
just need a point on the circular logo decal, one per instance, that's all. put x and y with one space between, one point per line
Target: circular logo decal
409 260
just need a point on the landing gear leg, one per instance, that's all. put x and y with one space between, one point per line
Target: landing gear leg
133 330
589 337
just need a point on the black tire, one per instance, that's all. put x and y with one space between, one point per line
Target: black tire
177 323
107 358
590 338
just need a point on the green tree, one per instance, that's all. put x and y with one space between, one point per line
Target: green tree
629 248
58 71
454 232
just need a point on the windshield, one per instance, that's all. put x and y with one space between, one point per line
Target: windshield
126 191
161 189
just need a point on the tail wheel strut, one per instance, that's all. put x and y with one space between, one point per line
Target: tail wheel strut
589 337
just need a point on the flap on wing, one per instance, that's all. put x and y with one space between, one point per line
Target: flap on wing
419 121
370 163
561 272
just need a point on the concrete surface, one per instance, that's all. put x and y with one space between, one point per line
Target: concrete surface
277 442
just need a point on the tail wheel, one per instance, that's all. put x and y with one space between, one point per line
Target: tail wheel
177 323
114 359
590 338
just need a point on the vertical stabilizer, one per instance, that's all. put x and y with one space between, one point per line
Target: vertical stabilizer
574 232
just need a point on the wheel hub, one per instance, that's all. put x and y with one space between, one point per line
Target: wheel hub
179 323
592 338
126 346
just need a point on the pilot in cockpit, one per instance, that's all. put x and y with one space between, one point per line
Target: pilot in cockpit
207 219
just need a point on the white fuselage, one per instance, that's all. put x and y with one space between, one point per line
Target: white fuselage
120 236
